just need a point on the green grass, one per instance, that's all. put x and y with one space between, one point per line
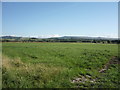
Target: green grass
55 65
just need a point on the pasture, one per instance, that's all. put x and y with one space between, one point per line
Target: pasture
59 65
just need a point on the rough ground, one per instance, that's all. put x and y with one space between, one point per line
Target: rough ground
88 78
114 60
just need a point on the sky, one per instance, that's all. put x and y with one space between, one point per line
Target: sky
54 19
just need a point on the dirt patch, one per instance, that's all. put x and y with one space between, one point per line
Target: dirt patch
83 79
113 60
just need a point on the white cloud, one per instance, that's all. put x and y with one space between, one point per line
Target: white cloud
109 35
49 36
56 35
98 35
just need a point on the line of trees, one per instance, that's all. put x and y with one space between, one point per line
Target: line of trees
61 40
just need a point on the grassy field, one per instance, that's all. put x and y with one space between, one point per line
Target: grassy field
59 65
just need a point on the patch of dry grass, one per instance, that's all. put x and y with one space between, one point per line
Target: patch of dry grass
14 70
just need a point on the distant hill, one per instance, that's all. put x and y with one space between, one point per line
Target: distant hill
10 37
86 37
65 37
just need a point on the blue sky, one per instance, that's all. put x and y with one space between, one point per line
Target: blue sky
46 19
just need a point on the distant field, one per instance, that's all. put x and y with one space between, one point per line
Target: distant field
60 65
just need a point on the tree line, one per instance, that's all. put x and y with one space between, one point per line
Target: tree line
61 40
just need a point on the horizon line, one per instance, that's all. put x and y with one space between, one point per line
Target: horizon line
51 36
